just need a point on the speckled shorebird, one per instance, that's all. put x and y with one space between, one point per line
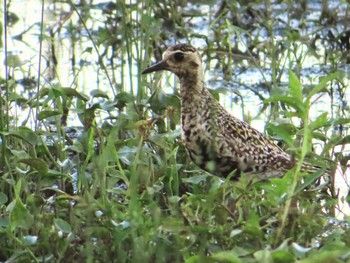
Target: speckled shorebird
217 141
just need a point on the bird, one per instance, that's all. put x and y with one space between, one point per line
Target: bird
217 141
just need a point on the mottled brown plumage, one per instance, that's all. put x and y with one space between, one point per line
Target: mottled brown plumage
217 141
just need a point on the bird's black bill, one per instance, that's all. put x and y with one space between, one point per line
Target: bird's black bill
161 65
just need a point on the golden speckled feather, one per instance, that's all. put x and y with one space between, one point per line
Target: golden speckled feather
217 141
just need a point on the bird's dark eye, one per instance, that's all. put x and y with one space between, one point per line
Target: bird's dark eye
179 56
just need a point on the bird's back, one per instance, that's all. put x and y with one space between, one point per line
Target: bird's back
220 143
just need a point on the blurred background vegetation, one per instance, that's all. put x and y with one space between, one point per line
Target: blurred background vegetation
91 161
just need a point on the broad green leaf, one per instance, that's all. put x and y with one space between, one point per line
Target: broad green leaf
319 136
97 93
68 92
13 96
3 198
172 134
235 232
195 179
77 147
158 139
37 164
284 132
73 92
20 216
225 256
18 188
62 225
20 154
24 134
299 250
263 256
284 256
47 113
35 200
295 89
326 256
290 101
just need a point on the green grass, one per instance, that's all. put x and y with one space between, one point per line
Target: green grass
116 184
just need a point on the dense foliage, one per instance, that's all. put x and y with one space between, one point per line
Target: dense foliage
104 177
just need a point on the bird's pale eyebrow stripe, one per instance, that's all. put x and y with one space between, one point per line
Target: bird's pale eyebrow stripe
182 47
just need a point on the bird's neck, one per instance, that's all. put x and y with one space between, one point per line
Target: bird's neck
195 97
192 86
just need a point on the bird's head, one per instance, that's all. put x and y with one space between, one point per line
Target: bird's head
182 59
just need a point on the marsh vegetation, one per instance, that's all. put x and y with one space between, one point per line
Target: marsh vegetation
91 161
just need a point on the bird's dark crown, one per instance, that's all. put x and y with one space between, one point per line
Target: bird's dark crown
183 48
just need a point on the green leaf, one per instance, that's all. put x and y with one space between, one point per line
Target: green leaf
290 101
323 82
88 50
341 121
62 225
24 134
3 198
225 256
47 113
124 97
158 139
13 96
309 179
68 92
97 93
336 140
283 131
18 255
18 188
37 164
325 256
344 140
195 179
263 256
321 121
193 259
20 216
295 89
319 136
73 92
56 174
282 256
235 30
